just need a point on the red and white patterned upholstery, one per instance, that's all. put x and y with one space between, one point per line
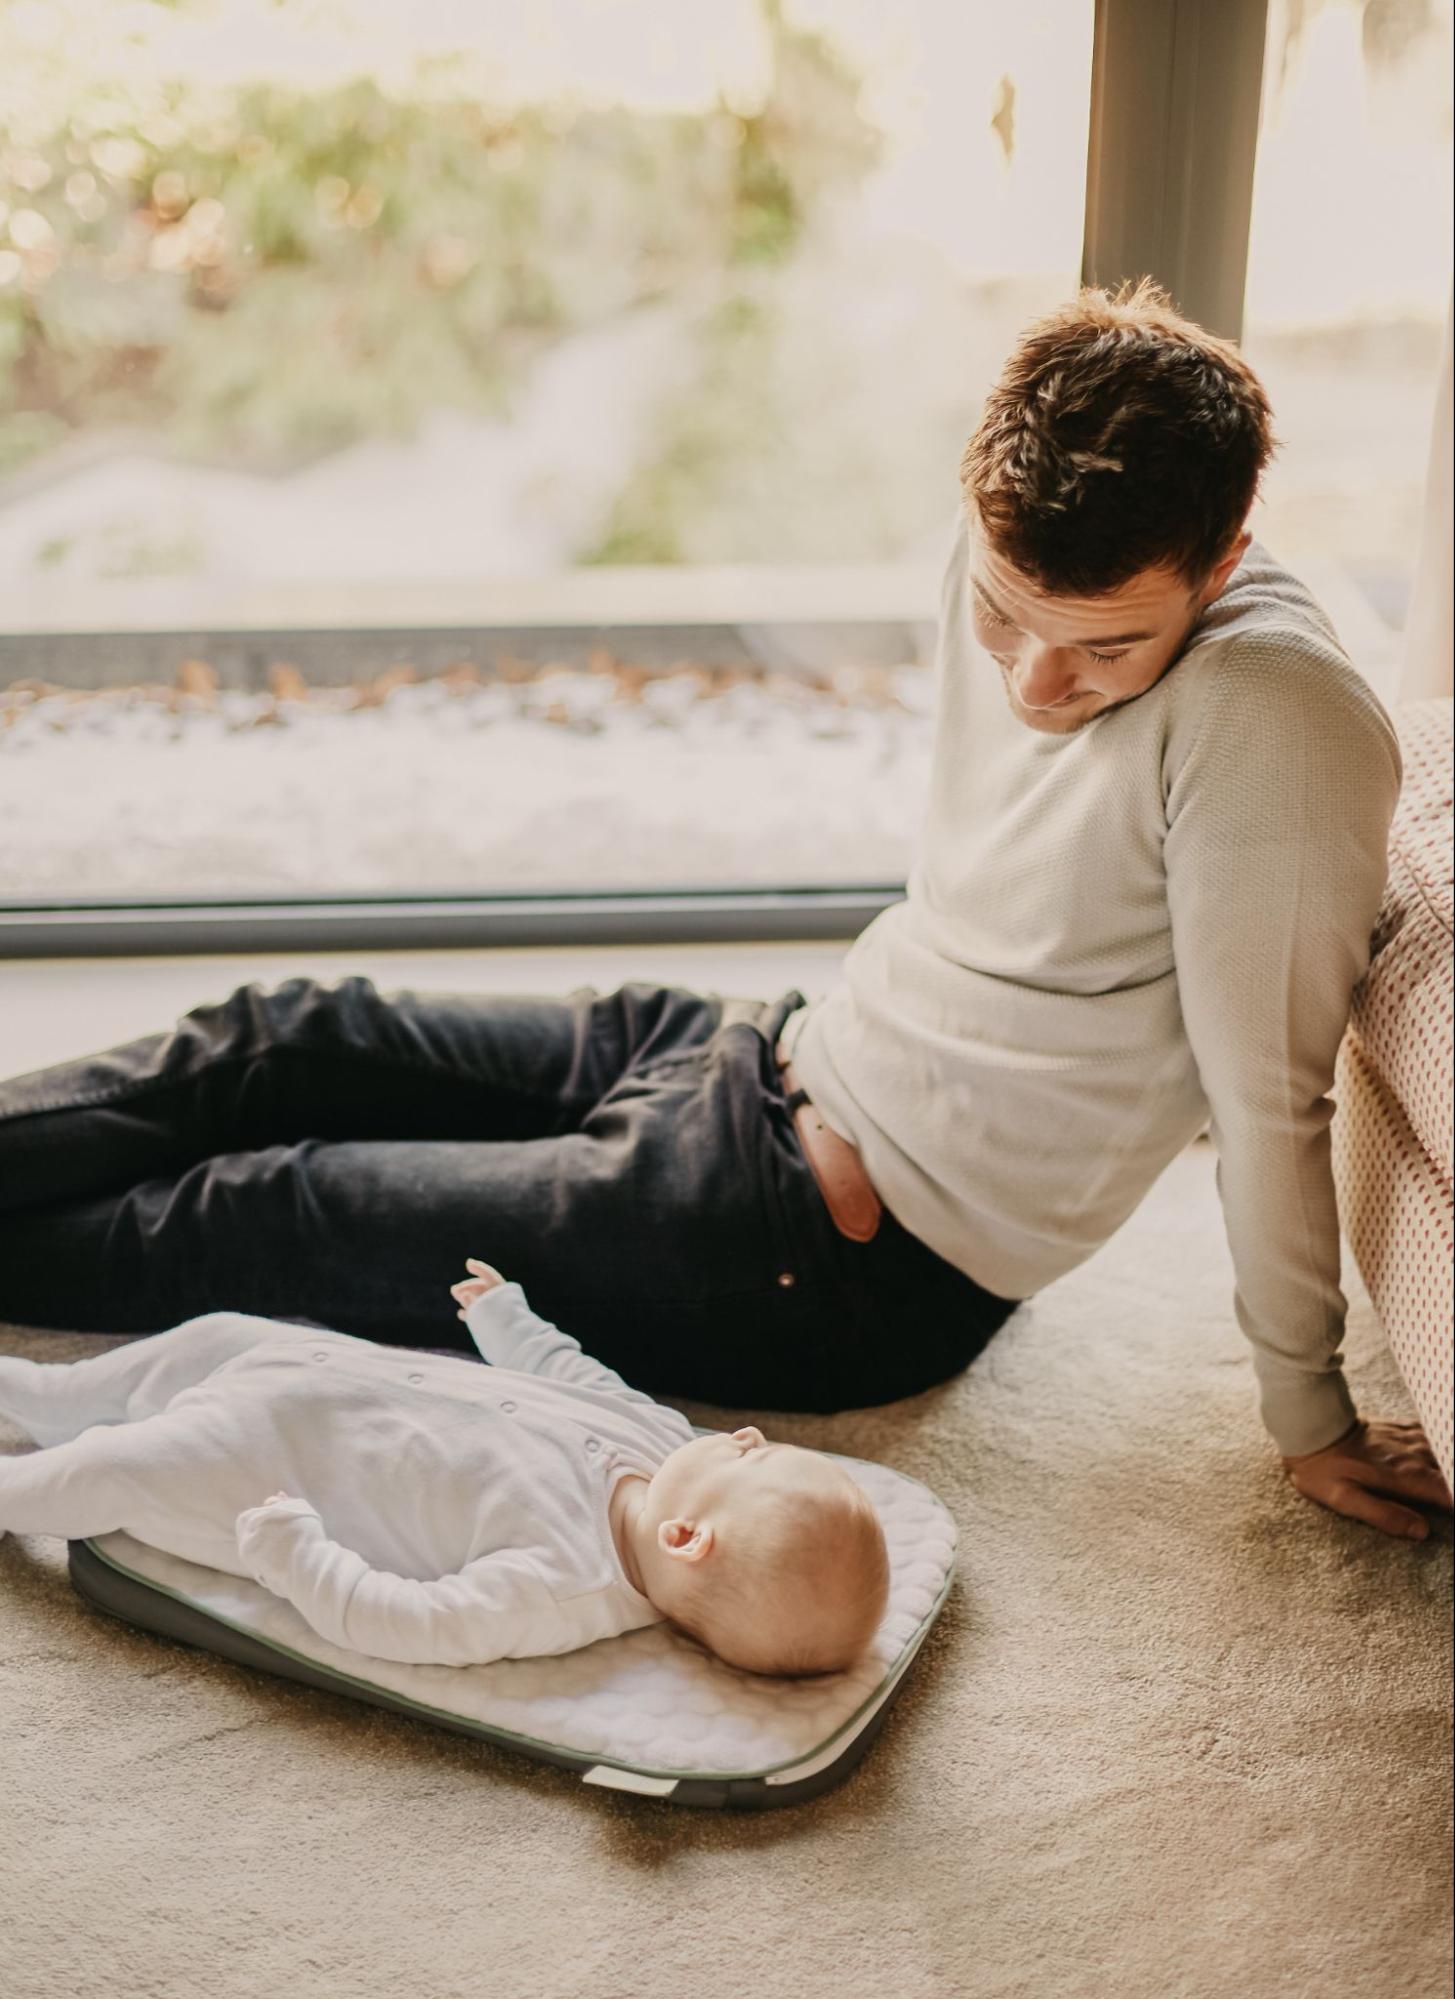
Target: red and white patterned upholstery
1395 1085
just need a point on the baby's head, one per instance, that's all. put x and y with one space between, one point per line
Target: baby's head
769 1554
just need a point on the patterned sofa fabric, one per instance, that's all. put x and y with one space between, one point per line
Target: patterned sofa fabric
1395 1086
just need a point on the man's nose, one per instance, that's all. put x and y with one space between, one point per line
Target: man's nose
1043 677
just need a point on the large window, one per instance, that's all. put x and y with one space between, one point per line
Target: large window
1348 288
498 448
479 449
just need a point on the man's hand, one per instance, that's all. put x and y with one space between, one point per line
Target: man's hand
1349 1475
483 1278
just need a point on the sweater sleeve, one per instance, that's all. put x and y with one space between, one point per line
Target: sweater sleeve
509 1334
1276 855
493 1608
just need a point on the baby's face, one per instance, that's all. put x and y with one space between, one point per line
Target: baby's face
726 1476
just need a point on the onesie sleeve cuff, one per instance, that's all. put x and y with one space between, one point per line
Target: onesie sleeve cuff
499 1322
257 1527
291 1508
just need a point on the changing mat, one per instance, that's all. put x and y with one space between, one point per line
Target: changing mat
647 1712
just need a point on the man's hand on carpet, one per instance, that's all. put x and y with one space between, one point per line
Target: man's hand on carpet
1370 1459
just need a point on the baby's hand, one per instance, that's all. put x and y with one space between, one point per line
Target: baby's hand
483 1279
273 1498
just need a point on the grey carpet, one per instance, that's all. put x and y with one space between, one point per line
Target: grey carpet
1178 1735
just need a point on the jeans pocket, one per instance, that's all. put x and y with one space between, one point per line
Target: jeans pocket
804 1226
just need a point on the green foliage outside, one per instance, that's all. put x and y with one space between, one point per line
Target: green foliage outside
299 272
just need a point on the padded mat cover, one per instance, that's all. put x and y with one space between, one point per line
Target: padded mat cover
650 1702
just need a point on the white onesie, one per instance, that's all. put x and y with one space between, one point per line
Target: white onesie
440 1512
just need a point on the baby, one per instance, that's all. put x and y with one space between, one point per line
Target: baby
453 1514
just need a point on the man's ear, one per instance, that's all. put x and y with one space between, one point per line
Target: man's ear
1225 565
685 1540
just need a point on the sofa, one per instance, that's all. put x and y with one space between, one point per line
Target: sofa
1393 1085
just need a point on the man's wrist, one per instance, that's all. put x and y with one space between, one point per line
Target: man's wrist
1303 1457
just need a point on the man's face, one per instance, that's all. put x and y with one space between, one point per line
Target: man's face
1065 660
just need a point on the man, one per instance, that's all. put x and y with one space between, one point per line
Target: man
1153 857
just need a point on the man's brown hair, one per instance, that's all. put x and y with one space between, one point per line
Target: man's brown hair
1120 436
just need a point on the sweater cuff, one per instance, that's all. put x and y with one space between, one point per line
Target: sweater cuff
1304 1412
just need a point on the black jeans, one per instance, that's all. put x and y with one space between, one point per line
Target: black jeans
326 1153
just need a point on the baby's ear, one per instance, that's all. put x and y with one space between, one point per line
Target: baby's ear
686 1540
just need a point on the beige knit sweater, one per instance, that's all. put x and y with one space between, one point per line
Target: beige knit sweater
1114 937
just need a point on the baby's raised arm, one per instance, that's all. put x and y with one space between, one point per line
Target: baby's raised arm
509 1334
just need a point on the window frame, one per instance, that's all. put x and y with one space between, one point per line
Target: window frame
1176 91
116 927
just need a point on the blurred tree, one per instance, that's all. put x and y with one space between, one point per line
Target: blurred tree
301 271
